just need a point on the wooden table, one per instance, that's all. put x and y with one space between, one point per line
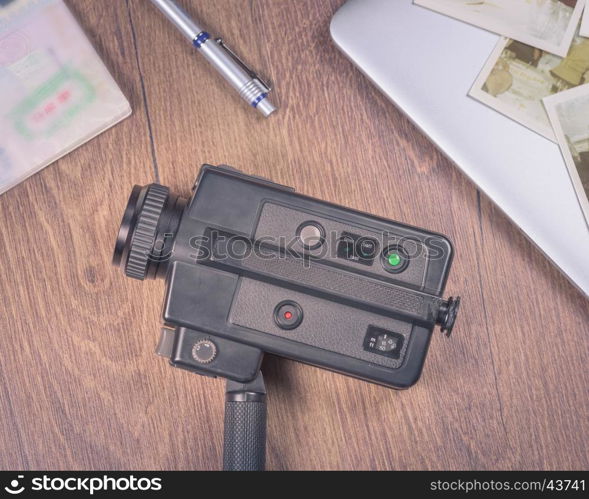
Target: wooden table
80 386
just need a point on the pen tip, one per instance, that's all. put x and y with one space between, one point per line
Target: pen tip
266 107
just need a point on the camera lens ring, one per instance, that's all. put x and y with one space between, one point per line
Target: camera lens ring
145 231
128 223
134 249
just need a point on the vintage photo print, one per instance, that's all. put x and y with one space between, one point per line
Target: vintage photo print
517 77
585 23
569 115
546 24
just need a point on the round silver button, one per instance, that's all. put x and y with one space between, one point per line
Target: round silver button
204 351
311 235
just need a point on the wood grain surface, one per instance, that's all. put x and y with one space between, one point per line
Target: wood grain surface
80 386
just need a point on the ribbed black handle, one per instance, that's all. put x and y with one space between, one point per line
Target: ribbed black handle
245 435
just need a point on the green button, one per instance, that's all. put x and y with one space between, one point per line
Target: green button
394 259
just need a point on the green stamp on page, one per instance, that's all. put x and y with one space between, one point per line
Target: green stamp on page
52 106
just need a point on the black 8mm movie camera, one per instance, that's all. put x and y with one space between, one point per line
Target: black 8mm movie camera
252 267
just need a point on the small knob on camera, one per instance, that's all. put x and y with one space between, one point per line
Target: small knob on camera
204 351
447 315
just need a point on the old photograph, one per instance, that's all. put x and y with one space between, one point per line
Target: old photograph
517 77
569 115
547 24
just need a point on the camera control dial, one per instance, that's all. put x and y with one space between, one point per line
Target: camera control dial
204 351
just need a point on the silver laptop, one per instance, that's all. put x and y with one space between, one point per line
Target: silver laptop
426 63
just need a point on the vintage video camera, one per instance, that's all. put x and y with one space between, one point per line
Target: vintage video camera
253 267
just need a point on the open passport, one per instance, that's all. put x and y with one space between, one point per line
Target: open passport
55 92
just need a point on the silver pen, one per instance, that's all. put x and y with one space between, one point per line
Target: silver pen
250 87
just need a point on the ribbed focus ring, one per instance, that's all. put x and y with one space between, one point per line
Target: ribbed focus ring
145 231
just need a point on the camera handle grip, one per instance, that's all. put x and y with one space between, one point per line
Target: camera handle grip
244 447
